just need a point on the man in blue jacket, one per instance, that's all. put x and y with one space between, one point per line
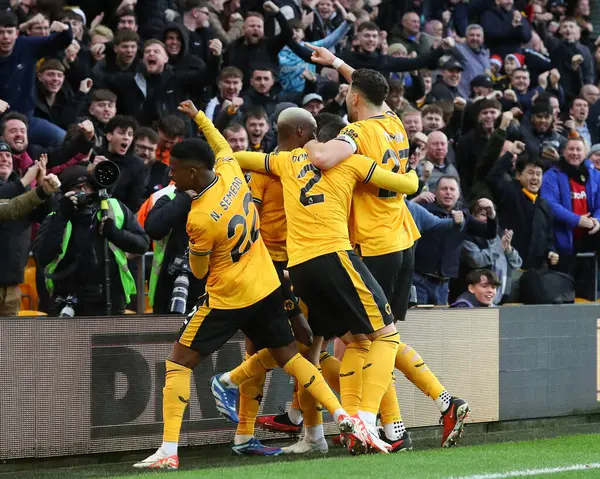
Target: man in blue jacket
572 188
18 58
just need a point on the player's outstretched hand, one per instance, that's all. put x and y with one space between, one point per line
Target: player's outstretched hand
321 55
188 108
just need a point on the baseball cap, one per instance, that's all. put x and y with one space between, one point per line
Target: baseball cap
311 97
482 81
5 147
79 12
541 108
72 176
452 64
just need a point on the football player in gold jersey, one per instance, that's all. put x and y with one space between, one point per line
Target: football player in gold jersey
267 194
384 233
342 296
243 291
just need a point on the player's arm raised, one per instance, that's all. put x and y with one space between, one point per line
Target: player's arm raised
252 161
213 136
324 57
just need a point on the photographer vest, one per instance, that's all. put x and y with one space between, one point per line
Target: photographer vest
116 213
160 247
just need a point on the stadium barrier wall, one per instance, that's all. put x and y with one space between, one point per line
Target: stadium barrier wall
93 385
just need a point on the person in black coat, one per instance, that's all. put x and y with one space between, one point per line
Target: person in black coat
151 17
470 147
505 28
129 189
55 100
522 210
81 271
446 88
168 217
539 134
157 172
261 92
177 40
122 58
253 48
155 90
195 20
368 56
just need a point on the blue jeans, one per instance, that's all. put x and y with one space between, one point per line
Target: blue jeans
430 291
42 132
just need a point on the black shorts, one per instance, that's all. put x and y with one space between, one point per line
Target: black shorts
265 323
290 301
341 295
393 271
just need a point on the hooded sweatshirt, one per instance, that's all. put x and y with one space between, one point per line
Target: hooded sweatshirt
184 60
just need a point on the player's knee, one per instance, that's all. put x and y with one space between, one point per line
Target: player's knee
390 328
250 349
284 354
350 338
184 356
313 353
301 330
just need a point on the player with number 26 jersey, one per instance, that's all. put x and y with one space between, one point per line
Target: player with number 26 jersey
224 224
375 227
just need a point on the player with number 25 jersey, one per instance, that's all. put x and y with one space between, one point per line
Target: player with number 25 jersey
380 222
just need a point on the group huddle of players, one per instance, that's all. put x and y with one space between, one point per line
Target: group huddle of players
332 213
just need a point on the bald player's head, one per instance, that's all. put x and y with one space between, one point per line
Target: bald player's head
295 127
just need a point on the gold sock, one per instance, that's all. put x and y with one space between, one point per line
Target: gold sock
295 400
176 395
302 348
251 393
330 368
410 363
390 409
351 375
311 409
256 366
378 370
312 380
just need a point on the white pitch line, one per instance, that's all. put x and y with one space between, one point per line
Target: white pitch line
530 472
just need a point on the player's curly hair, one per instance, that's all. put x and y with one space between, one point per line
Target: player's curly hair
371 84
194 150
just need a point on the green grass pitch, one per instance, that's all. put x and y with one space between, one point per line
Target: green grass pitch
494 461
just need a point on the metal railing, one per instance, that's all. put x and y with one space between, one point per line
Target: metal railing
140 282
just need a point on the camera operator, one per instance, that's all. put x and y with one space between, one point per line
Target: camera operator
70 248
165 224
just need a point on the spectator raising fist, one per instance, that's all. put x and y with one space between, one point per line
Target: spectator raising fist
50 184
188 108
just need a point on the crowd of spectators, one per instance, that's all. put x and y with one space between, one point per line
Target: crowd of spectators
504 124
